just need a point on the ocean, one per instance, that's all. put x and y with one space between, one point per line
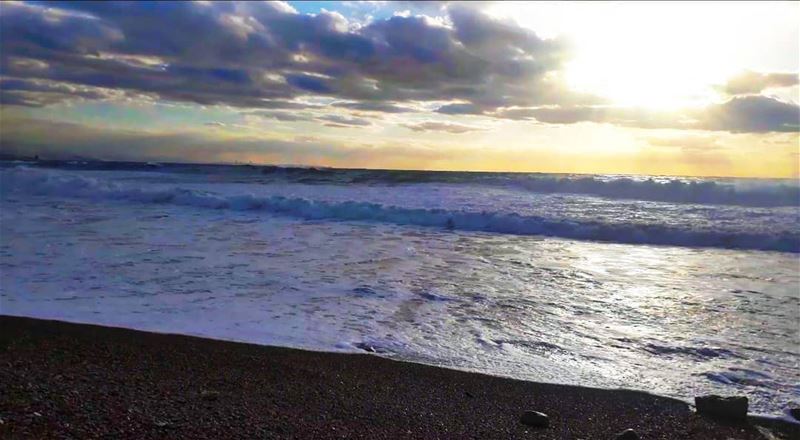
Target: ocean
676 286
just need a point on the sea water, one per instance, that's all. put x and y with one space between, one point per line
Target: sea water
677 286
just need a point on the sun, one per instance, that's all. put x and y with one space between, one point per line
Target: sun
657 71
657 54
642 57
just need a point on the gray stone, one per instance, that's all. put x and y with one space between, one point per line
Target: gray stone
535 419
628 434
209 395
729 408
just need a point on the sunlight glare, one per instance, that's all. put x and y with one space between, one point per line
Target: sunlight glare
658 55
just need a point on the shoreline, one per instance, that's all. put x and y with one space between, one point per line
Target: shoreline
83 380
761 417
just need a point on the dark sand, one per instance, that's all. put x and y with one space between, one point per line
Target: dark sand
60 380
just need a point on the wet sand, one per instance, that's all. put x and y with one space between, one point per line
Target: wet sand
61 380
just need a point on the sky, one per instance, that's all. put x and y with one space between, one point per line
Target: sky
683 88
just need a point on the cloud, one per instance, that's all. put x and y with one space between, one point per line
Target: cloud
460 109
308 83
382 107
306 139
266 55
255 54
750 82
442 126
288 105
753 114
519 114
344 121
61 140
741 114
329 120
629 116
692 150
283 116
686 143
39 93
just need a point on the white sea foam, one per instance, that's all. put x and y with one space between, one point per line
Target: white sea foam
54 183
699 191
732 192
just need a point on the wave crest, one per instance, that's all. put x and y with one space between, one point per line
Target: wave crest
672 191
32 181
740 192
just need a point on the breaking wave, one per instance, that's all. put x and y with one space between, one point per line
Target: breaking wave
671 190
31 181
741 192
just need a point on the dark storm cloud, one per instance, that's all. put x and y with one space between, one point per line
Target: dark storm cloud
246 54
33 93
755 82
